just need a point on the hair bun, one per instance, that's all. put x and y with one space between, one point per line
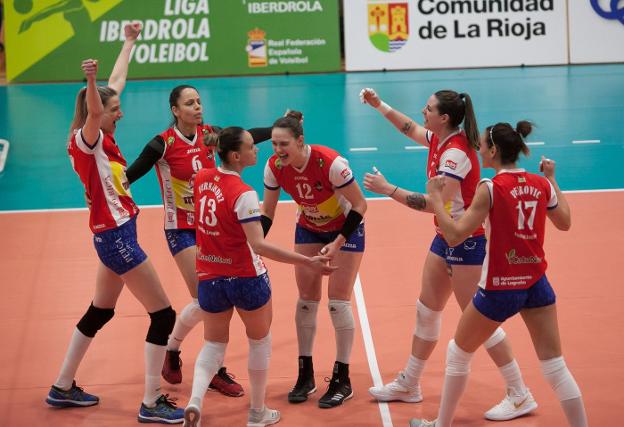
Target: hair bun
524 128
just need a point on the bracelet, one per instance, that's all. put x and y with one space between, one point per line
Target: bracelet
393 191
384 108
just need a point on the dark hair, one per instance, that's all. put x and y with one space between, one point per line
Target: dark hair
459 108
81 111
230 139
509 141
174 96
292 121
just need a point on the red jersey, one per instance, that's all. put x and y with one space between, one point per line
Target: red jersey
102 170
223 202
516 227
176 170
455 158
312 187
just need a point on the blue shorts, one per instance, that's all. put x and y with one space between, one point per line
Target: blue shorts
118 248
221 294
355 242
470 252
180 239
501 305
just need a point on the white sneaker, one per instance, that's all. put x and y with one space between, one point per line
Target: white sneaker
192 414
417 422
512 407
261 419
398 389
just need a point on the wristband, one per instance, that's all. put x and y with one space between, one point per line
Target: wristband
352 222
384 108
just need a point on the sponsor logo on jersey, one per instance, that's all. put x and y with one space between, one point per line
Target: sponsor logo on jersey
450 164
193 150
512 258
318 186
521 179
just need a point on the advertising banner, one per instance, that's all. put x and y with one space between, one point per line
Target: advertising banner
47 39
418 34
596 31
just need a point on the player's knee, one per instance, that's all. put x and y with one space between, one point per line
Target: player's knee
259 353
457 360
305 315
191 314
341 314
428 322
94 319
560 379
161 325
497 337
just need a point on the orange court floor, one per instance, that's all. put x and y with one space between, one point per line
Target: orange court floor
47 270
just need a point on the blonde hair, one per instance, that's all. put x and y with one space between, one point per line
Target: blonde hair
81 111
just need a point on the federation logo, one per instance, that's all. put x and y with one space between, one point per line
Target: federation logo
616 11
278 163
388 28
170 140
256 48
450 164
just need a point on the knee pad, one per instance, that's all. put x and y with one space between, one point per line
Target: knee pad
191 314
560 379
457 360
305 315
496 338
161 325
428 322
94 319
259 353
341 314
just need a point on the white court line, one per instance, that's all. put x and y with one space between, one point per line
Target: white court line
60 210
586 141
363 149
416 147
370 349
535 143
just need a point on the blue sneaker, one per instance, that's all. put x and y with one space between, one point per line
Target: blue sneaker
165 412
74 397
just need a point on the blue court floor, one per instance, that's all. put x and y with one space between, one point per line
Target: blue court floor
578 110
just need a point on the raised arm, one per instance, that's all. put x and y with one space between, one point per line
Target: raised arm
377 183
117 79
95 109
455 232
403 123
561 215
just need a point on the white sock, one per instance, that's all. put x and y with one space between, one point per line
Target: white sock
257 382
154 359
574 410
342 317
190 316
513 377
457 370
413 370
208 362
78 346
258 367
305 321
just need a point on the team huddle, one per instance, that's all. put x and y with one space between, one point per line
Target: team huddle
487 250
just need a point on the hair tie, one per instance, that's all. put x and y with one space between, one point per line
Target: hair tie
491 137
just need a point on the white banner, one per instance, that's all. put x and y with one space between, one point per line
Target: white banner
596 31
407 34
